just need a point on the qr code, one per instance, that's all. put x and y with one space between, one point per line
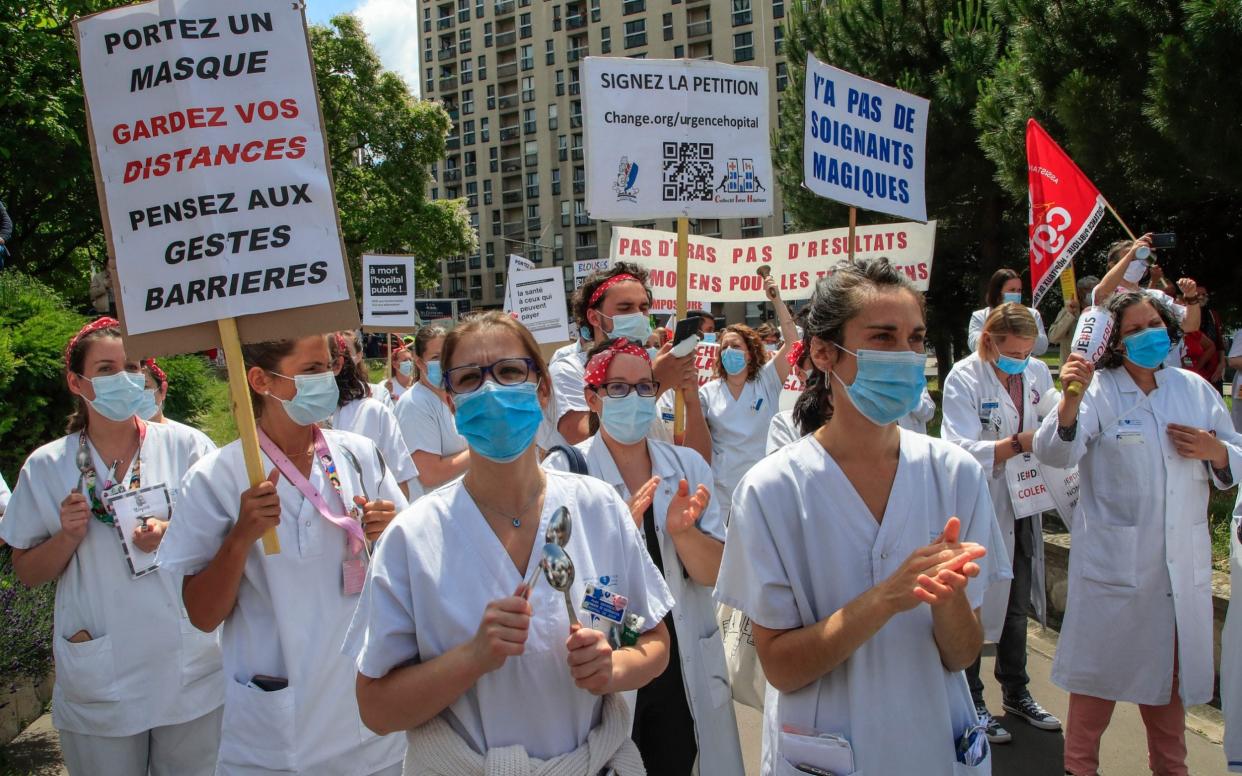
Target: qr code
688 171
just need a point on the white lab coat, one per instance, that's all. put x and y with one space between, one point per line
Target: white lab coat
739 427
438 567
381 394
146 665
782 431
1140 572
290 617
568 381
916 420
1231 653
802 545
980 317
427 424
977 412
378 423
703 670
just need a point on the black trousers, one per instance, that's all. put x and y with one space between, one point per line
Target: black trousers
663 725
1011 648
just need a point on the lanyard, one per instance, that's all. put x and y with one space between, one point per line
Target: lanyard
351 524
102 512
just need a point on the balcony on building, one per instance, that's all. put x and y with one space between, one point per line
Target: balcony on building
533 224
508 101
451 176
507 71
511 162
455 266
699 29
514 229
510 134
453 143
700 50
575 54
504 7
576 22
582 219
513 197
696 3
446 52
445 22
448 83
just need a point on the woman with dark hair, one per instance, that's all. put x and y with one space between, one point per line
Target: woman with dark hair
356 411
289 705
861 554
1147 439
425 416
1005 285
138 688
484 670
740 403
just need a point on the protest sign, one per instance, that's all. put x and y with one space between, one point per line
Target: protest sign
516 264
1028 491
539 301
705 357
584 268
441 310
724 270
212 172
676 137
388 293
864 143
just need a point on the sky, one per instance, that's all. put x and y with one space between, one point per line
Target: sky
391 25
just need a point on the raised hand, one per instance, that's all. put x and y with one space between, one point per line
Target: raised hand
641 500
684 509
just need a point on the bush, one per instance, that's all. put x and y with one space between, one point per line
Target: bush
190 380
35 324
25 626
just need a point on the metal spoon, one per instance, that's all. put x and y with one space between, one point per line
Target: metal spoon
560 527
558 567
84 467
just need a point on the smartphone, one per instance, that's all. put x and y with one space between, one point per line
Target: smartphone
269 683
686 336
1164 240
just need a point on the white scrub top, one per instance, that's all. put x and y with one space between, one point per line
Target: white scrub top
440 565
376 422
381 395
290 618
916 420
739 427
980 317
199 436
1141 541
427 424
569 380
782 431
1231 654
802 545
5 493
145 665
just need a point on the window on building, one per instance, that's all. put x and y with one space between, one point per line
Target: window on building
528 121
528 57
668 26
605 40
493 159
778 9
472 194
633 6
778 37
636 33
741 12
752 227
549 52
474 215
560 83
532 185
487 34
495 222
491 97
487 191
491 255
463 40
428 54
467 132
564 213
782 76
575 114
553 120
485 130
580 213
482 67
528 88
562 147
524 27
679 52
467 101
556 18
595 10
480 8
467 72
743 47
556 181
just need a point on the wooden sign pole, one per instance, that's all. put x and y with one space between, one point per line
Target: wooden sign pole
243 412
853 224
683 254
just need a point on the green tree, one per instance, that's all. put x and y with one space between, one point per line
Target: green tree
936 49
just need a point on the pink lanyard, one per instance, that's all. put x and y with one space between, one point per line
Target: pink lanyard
351 524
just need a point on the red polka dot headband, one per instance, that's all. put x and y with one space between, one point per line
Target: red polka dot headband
795 353
156 372
90 328
597 367
607 284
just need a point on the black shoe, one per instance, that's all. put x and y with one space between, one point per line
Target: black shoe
1025 707
996 733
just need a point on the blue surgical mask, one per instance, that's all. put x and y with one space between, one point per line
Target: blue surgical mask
652 353
771 347
1011 366
628 420
149 406
1014 296
635 326
710 338
1148 348
499 421
585 333
733 361
315 400
406 368
118 396
889 384
435 375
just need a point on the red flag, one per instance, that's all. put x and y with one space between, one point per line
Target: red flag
1065 208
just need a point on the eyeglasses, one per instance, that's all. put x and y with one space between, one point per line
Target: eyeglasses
506 371
616 390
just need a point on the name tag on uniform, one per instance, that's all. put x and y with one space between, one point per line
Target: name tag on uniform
1131 423
353 575
604 603
1130 438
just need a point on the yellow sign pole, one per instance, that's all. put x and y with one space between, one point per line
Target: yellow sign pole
853 224
243 412
683 254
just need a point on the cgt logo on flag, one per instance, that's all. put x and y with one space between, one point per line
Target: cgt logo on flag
1065 208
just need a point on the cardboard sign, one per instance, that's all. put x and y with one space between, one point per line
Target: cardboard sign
539 301
388 292
516 264
1063 487
583 269
705 357
676 137
1028 492
212 172
446 311
864 143
724 270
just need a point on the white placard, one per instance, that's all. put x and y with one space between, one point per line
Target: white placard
724 270
539 300
705 355
864 143
388 291
676 137
130 509
1028 491
516 264
583 269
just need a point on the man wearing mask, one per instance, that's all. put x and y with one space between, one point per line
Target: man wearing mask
616 302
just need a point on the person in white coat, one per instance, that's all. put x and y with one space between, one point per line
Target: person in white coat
357 412
994 400
861 554
1148 441
425 417
918 418
289 706
1231 652
457 639
686 712
138 688
1005 285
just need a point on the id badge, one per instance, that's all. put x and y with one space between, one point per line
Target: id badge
605 604
353 575
131 509
1130 438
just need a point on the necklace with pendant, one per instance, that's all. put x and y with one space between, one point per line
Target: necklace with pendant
515 518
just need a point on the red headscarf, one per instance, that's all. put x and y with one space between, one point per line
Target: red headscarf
157 373
94 326
597 367
607 284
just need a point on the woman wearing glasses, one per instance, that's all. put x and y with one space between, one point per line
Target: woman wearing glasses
447 609
288 701
687 711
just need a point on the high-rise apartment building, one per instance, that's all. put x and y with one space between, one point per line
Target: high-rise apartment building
509 73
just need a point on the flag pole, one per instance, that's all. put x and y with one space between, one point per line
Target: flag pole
853 223
683 253
1123 223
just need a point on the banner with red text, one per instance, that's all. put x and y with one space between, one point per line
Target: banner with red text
724 270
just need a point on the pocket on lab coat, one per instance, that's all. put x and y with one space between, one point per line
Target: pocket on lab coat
711 652
258 728
86 671
200 653
1108 554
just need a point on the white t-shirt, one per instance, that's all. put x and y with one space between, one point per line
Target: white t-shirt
802 545
427 424
290 618
145 665
376 422
782 431
739 427
381 395
438 567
